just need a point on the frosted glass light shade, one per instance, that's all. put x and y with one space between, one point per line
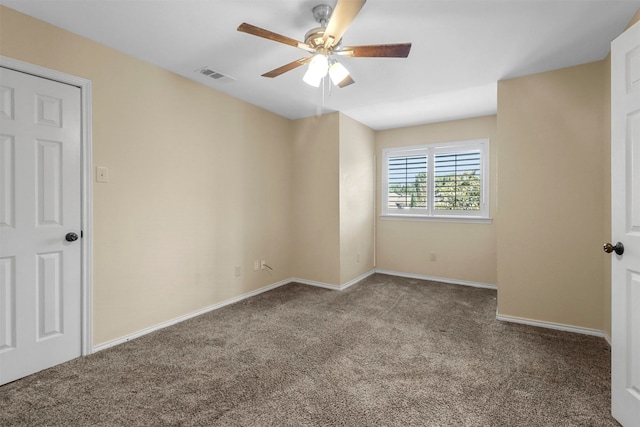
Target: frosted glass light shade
319 65
318 68
312 78
338 73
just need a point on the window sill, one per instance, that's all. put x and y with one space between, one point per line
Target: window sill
467 219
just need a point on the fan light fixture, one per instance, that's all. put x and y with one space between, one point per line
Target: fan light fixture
320 66
338 73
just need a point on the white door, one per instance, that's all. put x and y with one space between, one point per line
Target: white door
625 218
40 191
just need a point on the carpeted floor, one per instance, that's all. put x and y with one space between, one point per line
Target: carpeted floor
388 351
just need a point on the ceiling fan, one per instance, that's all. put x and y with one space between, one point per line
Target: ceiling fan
325 42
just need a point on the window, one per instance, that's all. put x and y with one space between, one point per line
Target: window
448 180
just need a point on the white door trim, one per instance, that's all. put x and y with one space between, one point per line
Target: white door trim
86 183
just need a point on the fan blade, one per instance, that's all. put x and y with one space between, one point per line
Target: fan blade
342 16
346 82
399 50
288 67
270 35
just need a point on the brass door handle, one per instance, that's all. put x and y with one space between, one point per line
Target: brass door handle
618 248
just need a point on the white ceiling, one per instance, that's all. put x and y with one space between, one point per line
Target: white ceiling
460 48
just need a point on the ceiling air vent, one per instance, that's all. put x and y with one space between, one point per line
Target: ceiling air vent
215 75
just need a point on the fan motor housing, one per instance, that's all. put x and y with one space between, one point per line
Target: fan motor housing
314 37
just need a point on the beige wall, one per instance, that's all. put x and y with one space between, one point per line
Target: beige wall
199 183
357 184
332 193
464 251
551 188
315 195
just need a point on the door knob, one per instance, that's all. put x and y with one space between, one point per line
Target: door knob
618 248
71 237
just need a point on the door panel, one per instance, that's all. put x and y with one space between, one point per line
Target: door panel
625 227
633 345
8 301
49 295
40 201
48 181
7 182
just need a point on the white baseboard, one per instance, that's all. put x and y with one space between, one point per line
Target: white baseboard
179 319
357 279
334 287
437 279
504 318
551 325
316 284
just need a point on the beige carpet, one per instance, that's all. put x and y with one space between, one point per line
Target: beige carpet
388 351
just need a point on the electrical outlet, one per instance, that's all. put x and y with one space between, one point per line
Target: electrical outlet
256 265
238 271
262 264
357 256
102 174
434 257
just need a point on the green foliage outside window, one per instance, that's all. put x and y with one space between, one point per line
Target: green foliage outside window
458 192
452 191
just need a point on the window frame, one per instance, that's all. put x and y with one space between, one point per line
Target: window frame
431 150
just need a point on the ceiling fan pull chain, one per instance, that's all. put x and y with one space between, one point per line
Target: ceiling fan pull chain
324 84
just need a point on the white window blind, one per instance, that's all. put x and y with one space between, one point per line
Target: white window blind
458 181
407 184
436 180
